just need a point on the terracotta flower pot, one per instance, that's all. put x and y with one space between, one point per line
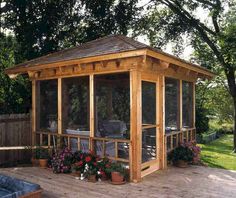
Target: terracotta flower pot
34 161
78 173
92 178
43 163
181 164
116 177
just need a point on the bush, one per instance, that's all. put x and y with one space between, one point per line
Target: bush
188 151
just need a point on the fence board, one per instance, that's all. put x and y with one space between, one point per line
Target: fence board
15 130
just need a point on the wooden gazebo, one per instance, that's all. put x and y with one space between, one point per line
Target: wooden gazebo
116 96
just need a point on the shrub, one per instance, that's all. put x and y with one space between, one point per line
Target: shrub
188 151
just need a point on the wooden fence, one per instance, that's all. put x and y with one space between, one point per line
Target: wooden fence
15 131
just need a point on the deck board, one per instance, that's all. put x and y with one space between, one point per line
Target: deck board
173 182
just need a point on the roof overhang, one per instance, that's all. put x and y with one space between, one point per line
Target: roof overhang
27 67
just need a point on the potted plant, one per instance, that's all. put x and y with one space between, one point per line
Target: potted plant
91 166
118 173
181 156
78 162
43 156
90 173
103 165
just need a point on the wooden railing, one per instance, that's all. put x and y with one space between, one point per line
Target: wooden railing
173 139
114 149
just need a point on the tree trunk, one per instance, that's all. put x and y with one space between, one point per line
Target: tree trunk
235 124
230 74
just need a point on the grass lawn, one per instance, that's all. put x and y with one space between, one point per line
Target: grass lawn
219 154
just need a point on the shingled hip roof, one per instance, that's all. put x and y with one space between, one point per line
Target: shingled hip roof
111 44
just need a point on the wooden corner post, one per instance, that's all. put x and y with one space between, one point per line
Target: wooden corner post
33 112
91 103
135 112
59 100
161 112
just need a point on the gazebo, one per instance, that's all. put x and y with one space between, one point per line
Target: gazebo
115 96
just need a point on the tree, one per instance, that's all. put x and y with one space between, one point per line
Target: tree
45 26
42 27
175 18
14 94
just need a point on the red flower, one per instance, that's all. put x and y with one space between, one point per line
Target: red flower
94 163
80 163
88 159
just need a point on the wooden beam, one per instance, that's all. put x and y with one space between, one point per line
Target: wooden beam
34 87
161 112
164 64
194 105
136 138
176 61
180 104
91 104
59 99
106 57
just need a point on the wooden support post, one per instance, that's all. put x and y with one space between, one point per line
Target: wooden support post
91 102
59 108
161 112
34 87
194 107
180 105
136 138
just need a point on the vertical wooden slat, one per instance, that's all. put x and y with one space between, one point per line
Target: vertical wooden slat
49 140
171 142
116 149
104 148
78 141
68 141
136 138
91 102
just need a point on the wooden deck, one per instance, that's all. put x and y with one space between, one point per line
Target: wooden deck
174 182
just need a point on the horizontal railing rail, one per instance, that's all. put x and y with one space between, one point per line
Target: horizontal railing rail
172 139
104 147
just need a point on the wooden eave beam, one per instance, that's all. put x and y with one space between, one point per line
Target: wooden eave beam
128 54
180 63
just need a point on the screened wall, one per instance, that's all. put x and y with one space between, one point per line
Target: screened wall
148 121
47 105
187 101
75 108
171 104
112 105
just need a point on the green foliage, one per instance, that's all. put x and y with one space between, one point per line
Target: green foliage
181 153
42 27
14 93
117 167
